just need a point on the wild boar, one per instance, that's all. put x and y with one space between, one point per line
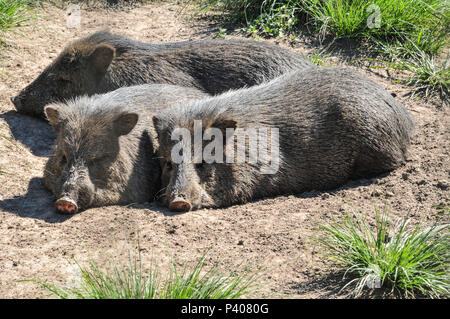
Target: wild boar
105 152
324 126
104 62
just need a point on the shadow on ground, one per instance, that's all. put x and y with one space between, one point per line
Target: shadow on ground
350 184
36 203
332 285
215 26
156 207
328 286
36 134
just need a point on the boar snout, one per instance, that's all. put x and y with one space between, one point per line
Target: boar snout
77 190
66 205
75 197
184 192
179 204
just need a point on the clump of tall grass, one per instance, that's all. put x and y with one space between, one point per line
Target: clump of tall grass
425 22
414 31
14 13
427 76
409 261
132 282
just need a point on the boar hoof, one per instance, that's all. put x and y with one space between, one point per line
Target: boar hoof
66 205
180 205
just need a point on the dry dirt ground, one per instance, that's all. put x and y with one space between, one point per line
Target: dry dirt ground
38 243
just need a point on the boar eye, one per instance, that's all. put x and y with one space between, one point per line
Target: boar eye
99 160
63 159
64 80
169 166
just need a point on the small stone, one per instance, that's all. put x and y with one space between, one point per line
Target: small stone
376 193
444 185
421 182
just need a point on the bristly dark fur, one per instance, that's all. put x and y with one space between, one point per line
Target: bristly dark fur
334 125
101 157
103 62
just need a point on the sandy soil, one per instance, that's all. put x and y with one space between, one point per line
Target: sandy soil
38 243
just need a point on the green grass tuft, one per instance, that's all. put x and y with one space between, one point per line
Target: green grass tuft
411 262
428 77
425 22
131 282
13 14
415 32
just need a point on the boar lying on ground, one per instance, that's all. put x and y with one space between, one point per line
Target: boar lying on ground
105 152
333 125
104 62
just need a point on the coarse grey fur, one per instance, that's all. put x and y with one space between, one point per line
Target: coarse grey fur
104 153
103 62
334 125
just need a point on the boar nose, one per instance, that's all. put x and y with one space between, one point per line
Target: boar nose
16 102
66 205
179 204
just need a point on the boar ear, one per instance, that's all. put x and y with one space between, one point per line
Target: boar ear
125 122
53 115
101 57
